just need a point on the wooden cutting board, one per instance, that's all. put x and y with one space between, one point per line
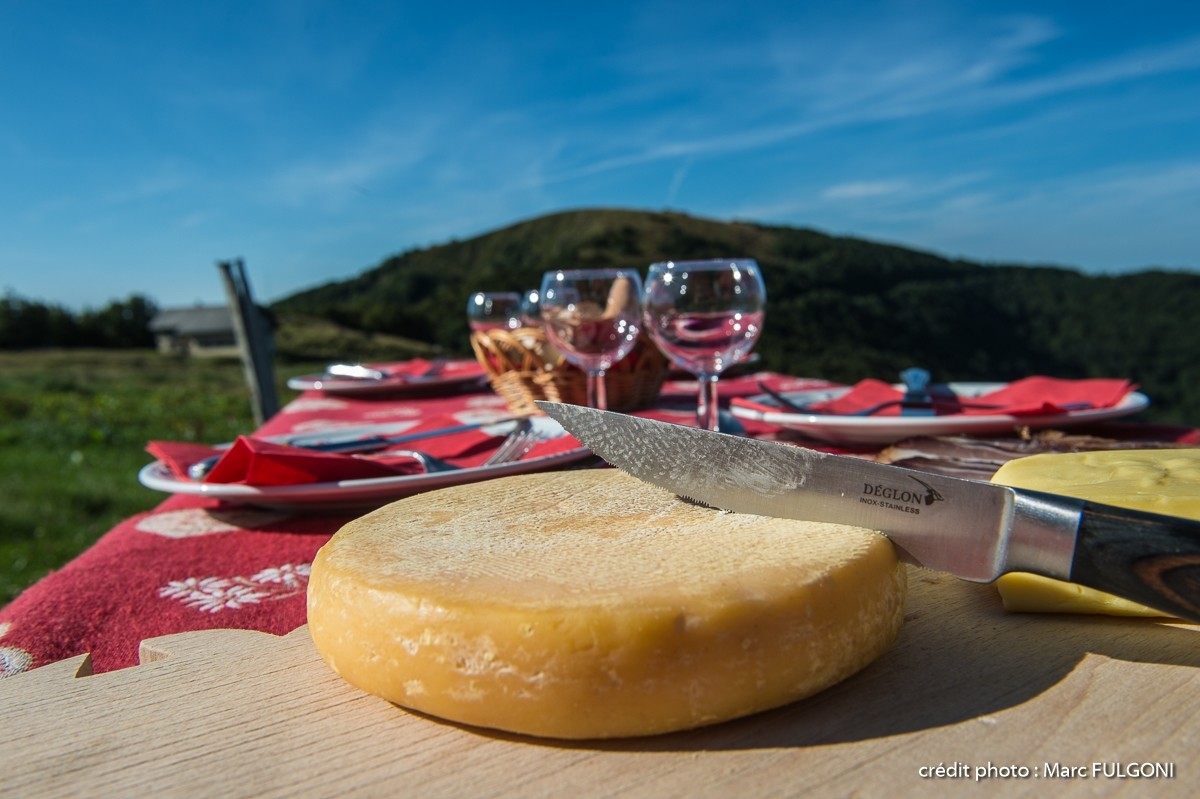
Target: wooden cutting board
967 686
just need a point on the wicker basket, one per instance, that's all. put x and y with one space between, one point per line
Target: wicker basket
522 366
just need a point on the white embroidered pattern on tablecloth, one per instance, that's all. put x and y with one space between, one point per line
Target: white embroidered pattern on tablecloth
307 405
12 659
192 522
215 594
411 416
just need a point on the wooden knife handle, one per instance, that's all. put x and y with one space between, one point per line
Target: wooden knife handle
1145 557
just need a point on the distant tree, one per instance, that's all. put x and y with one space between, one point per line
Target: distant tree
25 324
121 324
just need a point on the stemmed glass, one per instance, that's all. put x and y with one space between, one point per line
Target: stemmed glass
530 312
593 317
705 316
492 310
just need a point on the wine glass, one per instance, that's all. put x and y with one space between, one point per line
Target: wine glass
492 310
705 316
530 311
593 317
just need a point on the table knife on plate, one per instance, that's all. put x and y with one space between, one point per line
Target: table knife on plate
972 529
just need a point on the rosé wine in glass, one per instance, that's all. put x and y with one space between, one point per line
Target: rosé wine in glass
705 316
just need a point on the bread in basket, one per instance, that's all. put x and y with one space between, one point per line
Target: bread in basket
522 367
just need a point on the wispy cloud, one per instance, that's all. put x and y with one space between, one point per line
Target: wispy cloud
677 179
1111 218
163 180
1139 64
317 136
786 95
874 84
1175 184
861 189
888 196
380 155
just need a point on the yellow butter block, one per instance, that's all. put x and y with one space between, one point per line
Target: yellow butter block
1163 481
590 605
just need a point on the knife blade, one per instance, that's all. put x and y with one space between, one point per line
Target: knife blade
972 529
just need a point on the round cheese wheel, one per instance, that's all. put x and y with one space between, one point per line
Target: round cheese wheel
588 604
1165 481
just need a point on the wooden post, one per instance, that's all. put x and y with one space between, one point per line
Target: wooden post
255 341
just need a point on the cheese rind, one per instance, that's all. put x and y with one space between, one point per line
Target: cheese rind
589 605
1163 481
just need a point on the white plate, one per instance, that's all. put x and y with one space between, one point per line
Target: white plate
888 429
363 493
391 385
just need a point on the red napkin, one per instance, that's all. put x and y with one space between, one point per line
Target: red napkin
402 371
253 461
1029 396
417 367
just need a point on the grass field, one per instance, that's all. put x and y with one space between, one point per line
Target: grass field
73 426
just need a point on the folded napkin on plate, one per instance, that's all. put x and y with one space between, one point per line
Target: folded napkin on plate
407 370
253 461
401 371
1028 396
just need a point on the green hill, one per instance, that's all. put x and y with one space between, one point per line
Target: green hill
840 308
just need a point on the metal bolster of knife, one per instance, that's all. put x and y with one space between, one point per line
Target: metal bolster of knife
1043 532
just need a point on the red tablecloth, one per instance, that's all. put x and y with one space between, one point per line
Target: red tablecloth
195 563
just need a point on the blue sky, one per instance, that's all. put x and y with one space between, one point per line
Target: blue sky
140 142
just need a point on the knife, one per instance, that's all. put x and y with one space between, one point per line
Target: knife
972 529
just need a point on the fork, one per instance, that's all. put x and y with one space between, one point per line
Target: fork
520 440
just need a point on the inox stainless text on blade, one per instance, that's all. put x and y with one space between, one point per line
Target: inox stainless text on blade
974 530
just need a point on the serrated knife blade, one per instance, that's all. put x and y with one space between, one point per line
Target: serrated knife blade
972 529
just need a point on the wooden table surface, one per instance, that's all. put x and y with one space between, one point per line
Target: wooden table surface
1003 703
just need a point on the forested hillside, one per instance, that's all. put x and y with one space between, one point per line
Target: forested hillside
839 308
